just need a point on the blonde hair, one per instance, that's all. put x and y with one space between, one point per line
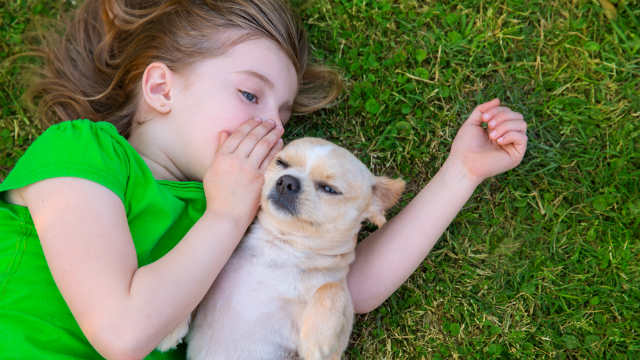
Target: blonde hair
93 68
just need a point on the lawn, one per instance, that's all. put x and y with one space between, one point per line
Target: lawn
543 261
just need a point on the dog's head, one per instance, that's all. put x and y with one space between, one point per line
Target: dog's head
317 190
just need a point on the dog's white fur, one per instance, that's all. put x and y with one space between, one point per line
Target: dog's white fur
283 293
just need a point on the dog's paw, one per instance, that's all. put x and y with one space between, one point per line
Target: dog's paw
172 340
326 323
320 353
325 342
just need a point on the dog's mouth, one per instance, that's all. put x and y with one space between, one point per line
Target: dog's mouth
284 194
284 203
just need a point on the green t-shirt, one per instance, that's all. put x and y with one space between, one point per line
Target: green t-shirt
35 322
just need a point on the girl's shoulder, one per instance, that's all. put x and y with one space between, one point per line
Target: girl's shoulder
77 135
83 131
79 148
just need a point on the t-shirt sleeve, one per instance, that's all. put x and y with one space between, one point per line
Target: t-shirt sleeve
78 148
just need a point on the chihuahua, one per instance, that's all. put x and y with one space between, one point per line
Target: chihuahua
283 293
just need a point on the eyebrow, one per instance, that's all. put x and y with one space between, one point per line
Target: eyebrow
258 76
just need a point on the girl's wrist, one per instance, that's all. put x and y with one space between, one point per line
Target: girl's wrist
458 174
217 218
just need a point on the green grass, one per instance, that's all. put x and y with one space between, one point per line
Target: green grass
543 261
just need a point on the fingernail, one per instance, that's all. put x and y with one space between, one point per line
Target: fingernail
485 116
492 123
492 134
271 121
500 140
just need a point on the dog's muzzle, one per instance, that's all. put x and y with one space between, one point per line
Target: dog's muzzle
284 194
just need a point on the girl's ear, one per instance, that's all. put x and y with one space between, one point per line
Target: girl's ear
386 193
157 87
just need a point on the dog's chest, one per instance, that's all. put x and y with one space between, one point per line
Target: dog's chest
281 271
254 307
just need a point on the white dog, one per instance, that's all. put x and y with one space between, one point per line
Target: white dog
283 293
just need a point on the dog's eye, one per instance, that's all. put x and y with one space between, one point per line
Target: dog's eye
282 163
328 189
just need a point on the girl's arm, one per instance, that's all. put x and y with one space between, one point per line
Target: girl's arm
123 310
387 257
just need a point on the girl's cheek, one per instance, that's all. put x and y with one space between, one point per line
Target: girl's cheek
244 111
236 117
231 111
220 114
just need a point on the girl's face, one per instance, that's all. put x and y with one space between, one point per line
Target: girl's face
253 79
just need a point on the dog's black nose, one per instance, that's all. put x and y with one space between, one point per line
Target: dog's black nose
288 184
284 194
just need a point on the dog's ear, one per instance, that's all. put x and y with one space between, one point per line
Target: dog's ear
386 193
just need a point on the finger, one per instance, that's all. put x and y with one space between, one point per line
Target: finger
476 116
250 141
507 126
222 138
272 154
239 134
490 114
263 148
514 142
502 116
488 105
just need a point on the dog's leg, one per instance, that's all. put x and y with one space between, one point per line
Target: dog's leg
326 323
172 340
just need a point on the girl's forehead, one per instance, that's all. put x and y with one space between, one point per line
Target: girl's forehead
258 50
254 56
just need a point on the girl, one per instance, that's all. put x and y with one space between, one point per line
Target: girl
114 228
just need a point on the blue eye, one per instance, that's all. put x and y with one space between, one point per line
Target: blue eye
328 189
249 96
